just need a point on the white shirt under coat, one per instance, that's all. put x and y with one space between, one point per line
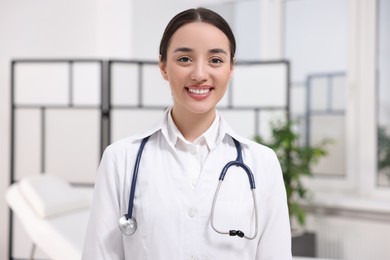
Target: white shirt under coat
173 211
193 154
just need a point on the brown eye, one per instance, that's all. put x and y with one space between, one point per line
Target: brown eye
184 59
216 61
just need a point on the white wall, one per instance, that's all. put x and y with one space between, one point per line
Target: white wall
242 15
54 29
152 17
247 30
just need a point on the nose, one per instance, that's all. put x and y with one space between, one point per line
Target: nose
199 72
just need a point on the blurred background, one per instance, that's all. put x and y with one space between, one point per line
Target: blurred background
86 70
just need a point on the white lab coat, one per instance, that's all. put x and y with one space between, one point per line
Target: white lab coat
173 217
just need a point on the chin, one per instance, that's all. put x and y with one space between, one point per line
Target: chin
202 109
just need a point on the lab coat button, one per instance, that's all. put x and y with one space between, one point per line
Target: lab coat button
192 212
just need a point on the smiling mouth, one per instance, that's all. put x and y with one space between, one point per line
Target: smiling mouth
198 91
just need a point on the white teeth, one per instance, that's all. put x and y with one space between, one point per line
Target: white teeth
199 91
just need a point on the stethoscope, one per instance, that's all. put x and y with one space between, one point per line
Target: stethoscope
128 224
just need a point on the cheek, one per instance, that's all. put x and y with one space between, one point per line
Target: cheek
224 76
176 73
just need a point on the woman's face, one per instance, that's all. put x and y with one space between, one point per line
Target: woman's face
197 67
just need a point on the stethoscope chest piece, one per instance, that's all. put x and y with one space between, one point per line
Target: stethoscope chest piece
128 226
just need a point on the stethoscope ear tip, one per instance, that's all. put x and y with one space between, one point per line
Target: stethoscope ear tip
238 233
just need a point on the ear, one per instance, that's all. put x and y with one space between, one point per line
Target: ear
232 65
163 67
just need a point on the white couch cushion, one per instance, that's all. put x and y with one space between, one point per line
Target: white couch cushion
50 195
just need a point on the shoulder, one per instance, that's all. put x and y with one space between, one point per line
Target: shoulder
249 146
133 142
261 159
123 148
256 149
121 145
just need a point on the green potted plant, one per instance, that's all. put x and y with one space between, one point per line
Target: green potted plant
296 162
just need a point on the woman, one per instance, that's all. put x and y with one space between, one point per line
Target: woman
181 163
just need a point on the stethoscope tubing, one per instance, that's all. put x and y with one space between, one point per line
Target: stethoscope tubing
239 162
244 167
233 232
135 176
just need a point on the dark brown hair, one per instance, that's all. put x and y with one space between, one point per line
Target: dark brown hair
196 15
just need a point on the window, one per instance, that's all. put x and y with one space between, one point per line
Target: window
315 43
383 95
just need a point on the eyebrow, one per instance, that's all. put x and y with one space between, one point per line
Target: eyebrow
213 51
183 49
217 50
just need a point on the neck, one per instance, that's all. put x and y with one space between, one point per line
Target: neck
191 125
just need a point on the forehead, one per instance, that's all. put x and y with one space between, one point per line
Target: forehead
199 35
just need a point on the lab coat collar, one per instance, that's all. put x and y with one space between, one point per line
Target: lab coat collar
210 136
230 132
162 126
